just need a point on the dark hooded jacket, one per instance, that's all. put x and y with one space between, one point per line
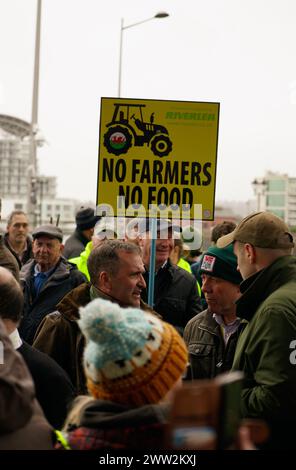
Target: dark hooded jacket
100 424
264 349
54 390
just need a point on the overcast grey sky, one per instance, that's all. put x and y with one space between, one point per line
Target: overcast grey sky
237 52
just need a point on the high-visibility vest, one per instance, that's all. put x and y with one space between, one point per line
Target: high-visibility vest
81 261
182 263
60 437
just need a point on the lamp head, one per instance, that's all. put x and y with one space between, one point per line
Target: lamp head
161 14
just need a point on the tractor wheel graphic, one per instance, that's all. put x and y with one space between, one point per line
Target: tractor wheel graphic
117 140
161 145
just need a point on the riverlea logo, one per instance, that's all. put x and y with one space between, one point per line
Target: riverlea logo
187 116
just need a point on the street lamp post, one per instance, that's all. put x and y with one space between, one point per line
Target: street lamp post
161 14
32 169
259 187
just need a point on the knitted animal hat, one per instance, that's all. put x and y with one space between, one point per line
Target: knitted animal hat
131 356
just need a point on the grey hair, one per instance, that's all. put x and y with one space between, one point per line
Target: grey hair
13 213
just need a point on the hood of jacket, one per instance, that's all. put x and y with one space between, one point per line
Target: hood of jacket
105 414
62 270
78 297
262 284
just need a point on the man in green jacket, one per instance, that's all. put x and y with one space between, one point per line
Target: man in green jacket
263 246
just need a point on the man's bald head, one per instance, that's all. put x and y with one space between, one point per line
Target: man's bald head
11 297
5 275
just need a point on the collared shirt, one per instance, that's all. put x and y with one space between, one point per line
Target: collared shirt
40 278
163 265
159 270
15 339
94 293
229 329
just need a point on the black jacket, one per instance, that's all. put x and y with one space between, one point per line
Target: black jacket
63 279
75 244
54 390
207 351
176 297
17 391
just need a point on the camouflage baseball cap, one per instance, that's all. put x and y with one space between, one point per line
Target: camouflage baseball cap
262 230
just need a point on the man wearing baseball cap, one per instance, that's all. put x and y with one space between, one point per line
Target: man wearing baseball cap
176 296
263 245
45 279
211 336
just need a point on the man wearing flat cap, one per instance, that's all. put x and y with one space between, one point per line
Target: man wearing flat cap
211 336
45 279
263 245
85 222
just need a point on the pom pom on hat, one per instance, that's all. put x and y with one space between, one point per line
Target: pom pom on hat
131 356
115 332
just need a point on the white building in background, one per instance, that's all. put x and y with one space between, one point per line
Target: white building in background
14 163
50 210
276 193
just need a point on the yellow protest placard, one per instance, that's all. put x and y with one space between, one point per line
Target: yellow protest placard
158 153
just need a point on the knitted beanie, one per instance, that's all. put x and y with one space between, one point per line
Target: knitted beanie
86 218
131 357
221 262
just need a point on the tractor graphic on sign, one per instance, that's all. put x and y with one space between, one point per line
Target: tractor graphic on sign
128 128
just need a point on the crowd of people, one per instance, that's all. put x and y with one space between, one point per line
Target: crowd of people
88 364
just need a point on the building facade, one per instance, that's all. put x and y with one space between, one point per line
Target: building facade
15 182
276 193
